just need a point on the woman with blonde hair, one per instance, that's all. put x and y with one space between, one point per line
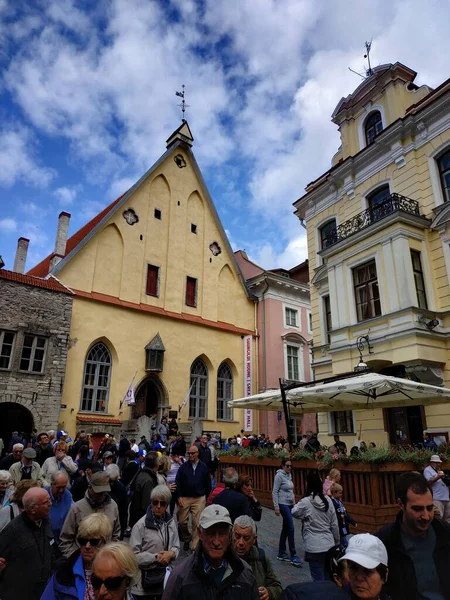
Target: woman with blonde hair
334 476
73 578
60 462
115 569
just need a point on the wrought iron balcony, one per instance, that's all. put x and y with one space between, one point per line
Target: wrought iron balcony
393 203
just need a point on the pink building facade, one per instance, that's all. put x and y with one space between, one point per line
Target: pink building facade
284 335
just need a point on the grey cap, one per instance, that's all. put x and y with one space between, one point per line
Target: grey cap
29 453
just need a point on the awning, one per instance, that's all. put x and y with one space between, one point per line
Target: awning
365 391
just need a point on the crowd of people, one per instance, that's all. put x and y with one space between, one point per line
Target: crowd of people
84 523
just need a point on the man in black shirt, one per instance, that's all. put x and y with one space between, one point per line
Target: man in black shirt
43 449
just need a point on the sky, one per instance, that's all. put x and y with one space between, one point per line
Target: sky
87 100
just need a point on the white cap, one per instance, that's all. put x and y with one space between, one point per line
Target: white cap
366 550
435 458
213 515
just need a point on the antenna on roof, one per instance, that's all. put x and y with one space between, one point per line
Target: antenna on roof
368 46
369 70
183 104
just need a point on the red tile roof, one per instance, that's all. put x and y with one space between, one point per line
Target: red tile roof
42 268
49 284
108 420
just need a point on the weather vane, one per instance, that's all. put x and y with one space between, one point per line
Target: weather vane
369 70
183 104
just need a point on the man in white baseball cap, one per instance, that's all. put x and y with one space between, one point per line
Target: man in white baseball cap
435 476
213 571
367 562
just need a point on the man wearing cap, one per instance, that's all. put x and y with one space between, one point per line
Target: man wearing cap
108 458
193 482
81 484
213 571
418 545
61 436
27 468
178 447
144 444
96 500
435 476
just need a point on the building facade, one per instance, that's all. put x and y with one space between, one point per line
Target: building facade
378 246
35 317
160 307
284 328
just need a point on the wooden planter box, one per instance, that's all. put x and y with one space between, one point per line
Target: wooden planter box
369 489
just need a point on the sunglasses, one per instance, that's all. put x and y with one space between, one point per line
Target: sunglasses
190 453
288 466
93 541
159 503
110 583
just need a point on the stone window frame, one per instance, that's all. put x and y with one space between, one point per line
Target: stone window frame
198 376
290 312
224 382
13 346
95 387
32 357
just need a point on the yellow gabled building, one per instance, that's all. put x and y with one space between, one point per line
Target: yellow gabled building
378 227
159 301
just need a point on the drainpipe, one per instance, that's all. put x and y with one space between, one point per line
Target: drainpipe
264 345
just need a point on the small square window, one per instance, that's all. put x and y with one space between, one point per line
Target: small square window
157 213
193 228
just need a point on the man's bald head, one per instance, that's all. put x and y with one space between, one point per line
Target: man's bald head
36 503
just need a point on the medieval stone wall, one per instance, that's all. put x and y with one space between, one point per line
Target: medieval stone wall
32 310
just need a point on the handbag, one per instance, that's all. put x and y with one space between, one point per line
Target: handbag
153 578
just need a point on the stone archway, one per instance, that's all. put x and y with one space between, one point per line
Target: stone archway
152 398
15 417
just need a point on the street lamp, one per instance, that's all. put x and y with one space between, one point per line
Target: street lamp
361 342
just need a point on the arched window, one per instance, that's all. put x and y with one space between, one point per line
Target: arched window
378 203
97 379
198 399
373 126
444 174
224 392
328 234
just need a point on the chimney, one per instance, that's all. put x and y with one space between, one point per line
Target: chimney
21 255
61 239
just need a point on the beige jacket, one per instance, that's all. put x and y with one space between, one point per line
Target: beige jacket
80 510
16 473
51 466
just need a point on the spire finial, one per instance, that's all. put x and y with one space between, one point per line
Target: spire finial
183 104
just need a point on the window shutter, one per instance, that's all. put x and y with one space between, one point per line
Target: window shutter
191 289
152 280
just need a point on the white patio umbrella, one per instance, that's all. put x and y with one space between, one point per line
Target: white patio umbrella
368 390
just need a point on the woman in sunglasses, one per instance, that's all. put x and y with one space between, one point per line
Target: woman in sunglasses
73 579
114 571
154 539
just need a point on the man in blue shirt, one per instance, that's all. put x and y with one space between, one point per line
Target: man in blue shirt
61 502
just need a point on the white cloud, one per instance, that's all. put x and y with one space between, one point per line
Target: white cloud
8 225
17 161
33 210
120 186
267 257
67 194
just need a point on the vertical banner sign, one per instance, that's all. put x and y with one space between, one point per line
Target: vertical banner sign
248 413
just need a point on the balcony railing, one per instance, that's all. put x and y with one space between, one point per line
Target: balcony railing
393 203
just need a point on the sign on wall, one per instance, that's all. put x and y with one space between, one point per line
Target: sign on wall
248 383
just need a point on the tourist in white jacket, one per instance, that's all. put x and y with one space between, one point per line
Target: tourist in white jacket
283 501
60 462
320 525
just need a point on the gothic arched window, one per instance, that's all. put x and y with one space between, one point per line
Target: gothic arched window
373 126
224 392
198 398
97 379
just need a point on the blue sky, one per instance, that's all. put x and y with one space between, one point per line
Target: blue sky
87 100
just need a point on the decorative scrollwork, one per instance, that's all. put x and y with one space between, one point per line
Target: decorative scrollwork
393 203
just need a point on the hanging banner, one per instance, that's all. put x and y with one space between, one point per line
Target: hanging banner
248 381
129 396
186 398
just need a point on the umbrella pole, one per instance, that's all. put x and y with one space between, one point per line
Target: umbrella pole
286 414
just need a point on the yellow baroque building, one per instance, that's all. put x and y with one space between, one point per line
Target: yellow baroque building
378 228
159 303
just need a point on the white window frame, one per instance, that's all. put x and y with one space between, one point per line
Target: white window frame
331 426
226 409
351 289
195 379
33 352
370 108
287 307
13 347
301 367
434 173
373 188
95 387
